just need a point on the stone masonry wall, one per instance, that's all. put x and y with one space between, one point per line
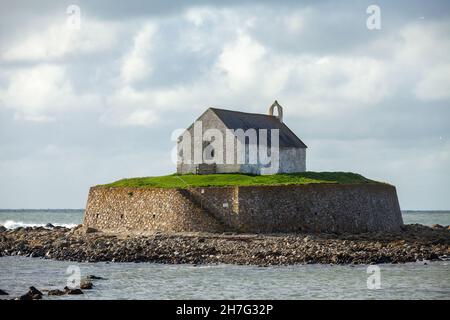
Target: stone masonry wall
336 208
146 209
319 208
292 160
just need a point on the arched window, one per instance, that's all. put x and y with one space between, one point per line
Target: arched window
208 151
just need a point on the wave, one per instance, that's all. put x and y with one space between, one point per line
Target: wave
11 224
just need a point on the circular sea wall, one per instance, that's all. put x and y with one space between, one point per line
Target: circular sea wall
316 207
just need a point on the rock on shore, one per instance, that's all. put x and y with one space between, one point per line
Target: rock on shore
32 294
415 242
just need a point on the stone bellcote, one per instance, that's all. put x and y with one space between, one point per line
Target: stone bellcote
279 110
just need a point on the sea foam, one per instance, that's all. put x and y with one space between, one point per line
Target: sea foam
11 224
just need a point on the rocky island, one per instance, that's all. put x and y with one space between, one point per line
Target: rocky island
301 218
328 202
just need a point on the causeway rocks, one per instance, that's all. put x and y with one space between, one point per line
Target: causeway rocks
413 243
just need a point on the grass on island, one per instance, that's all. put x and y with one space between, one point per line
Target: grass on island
222 180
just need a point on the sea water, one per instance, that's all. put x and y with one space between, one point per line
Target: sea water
71 217
419 280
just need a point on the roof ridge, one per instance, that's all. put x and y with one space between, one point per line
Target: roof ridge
239 119
252 113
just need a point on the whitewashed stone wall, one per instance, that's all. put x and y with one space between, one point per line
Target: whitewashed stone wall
291 160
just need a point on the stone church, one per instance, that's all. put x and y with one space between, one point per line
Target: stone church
225 141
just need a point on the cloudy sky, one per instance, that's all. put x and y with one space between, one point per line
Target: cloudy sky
89 106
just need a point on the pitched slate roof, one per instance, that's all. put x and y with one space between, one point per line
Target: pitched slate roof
243 120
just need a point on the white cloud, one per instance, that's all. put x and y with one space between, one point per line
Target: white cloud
422 59
141 118
137 63
333 83
294 22
248 74
424 44
240 61
199 16
245 72
41 92
435 84
130 107
59 41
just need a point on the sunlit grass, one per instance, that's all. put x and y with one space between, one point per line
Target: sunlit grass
218 180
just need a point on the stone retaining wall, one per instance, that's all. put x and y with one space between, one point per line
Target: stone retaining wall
144 209
336 208
319 208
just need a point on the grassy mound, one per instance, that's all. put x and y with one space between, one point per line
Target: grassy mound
221 180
